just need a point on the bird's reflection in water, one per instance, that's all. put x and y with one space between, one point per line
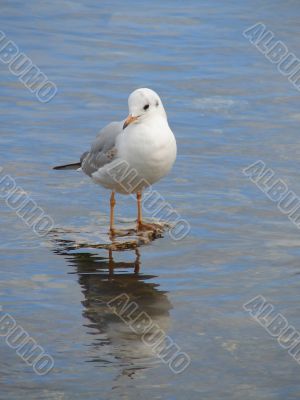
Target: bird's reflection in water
103 279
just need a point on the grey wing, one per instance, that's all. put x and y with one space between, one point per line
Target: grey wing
103 149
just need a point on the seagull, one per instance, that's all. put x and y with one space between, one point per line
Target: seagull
130 155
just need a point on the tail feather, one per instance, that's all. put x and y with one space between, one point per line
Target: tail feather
69 166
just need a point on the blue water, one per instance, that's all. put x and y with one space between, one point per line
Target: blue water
228 107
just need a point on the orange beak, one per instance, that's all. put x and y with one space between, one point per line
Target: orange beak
129 120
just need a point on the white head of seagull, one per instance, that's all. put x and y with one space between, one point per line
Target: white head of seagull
144 103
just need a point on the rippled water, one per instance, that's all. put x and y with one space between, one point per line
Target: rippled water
228 107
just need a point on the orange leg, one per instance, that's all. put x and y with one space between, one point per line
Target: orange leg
144 226
112 212
139 215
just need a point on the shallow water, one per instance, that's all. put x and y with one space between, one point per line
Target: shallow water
228 107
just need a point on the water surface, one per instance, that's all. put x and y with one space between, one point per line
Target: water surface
228 107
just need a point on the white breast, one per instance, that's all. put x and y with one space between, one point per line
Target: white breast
145 154
150 149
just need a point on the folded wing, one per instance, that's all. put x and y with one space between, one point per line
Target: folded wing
103 150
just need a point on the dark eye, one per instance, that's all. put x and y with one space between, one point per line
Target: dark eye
146 107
